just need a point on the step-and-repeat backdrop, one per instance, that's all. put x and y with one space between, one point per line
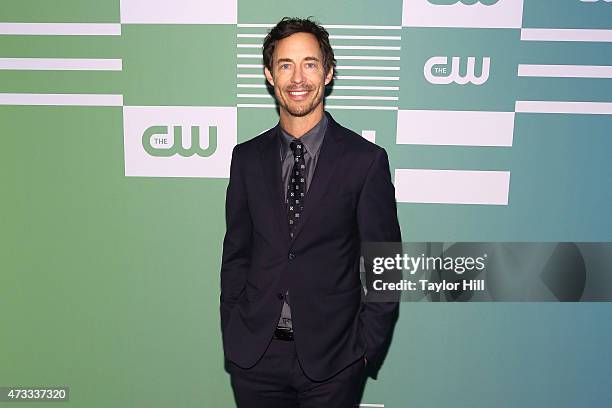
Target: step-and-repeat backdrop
119 118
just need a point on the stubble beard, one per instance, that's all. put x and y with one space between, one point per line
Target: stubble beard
300 110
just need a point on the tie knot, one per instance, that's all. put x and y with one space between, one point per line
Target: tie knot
297 147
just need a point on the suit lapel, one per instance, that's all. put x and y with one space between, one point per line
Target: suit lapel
329 156
270 162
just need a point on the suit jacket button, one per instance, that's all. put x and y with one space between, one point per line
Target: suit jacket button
280 296
291 256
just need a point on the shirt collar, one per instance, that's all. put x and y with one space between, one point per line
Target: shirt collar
312 139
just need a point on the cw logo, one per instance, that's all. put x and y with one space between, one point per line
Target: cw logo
436 71
468 2
155 141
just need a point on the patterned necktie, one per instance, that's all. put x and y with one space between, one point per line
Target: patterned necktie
296 188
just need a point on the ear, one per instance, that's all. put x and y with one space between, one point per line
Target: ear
269 76
329 75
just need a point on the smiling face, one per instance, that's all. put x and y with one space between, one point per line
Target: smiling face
298 75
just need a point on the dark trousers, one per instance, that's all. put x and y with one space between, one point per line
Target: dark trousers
277 381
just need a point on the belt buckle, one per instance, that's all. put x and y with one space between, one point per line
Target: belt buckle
283 333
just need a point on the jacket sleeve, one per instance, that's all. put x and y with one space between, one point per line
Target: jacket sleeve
377 222
236 257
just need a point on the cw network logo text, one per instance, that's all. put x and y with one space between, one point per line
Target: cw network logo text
157 142
437 71
179 141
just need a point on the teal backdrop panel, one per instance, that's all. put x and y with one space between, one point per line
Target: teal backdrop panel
111 234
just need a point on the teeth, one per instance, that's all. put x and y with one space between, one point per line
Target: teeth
298 93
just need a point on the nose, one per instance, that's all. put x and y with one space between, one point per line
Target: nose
297 76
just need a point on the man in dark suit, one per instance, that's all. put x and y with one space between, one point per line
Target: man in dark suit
301 199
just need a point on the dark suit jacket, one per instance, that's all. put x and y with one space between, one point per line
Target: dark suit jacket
350 199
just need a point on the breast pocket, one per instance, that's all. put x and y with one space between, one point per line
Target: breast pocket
342 200
337 211
339 197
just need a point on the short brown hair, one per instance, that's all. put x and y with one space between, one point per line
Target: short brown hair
291 25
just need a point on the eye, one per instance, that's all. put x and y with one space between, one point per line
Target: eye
284 66
311 65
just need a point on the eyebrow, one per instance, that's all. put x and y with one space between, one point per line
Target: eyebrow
280 60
